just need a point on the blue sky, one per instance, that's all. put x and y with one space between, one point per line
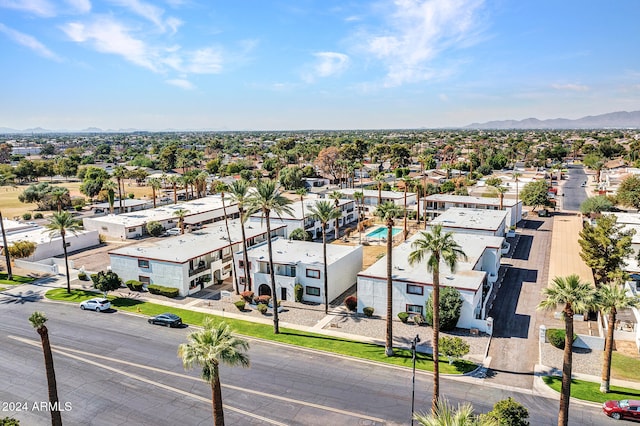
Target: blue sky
307 64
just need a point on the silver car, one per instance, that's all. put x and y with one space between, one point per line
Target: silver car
97 304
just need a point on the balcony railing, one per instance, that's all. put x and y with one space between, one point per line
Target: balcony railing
199 269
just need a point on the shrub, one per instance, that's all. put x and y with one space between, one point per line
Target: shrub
508 412
154 228
134 285
247 296
351 303
297 292
262 308
453 347
131 195
419 319
240 304
264 299
82 276
368 311
404 317
162 290
556 337
450 306
26 216
37 215
78 208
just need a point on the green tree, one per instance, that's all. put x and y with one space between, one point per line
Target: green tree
120 173
60 197
154 228
574 296
106 281
110 187
208 348
324 211
267 199
291 178
9 421
92 180
22 249
38 320
604 247
610 298
450 307
300 234
535 193
336 196
434 246
629 191
180 214
508 412
388 212
446 415
60 224
453 347
239 193
597 204
155 185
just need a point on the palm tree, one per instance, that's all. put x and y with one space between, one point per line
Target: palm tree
155 185
387 212
501 191
610 298
336 197
516 177
174 180
268 198
201 183
302 192
447 415
37 320
359 197
380 180
434 246
59 195
575 296
180 214
120 173
110 186
407 181
324 211
209 348
226 224
5 248
60 224
239 191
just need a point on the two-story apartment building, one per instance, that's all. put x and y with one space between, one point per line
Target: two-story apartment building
436 204
370 200
302 262
191 261
412 284
473 221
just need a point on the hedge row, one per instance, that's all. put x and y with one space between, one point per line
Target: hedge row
162 290
134 285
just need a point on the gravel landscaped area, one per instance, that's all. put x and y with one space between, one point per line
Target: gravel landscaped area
584 361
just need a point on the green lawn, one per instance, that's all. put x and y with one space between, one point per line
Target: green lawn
17 279
590 391
293 337
625 367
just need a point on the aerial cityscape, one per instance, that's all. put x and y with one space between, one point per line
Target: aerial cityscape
385 213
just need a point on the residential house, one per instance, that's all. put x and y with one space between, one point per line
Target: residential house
370 201
436 204
128 205
473 221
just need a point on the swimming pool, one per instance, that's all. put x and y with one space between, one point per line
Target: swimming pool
381 232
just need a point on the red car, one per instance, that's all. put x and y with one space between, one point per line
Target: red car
627 408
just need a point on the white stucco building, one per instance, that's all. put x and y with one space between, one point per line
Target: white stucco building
473 221
302 262
191 261
436 204
474 278
370 201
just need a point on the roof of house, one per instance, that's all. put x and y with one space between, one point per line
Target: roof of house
41 235
458 217
182 248
126 202
296 208
464 278
468 199
374 193
292 252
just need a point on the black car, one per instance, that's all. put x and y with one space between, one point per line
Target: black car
167 319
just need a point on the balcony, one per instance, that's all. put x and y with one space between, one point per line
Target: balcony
200 268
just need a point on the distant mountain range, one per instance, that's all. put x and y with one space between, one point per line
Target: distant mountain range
615 120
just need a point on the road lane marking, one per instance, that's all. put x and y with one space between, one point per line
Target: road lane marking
236 388
151 382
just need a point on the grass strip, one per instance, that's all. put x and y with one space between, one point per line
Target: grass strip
590 391
320 342
17 279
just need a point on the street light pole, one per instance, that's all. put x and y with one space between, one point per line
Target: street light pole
414 343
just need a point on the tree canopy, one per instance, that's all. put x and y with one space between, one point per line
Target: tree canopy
535 194
629 191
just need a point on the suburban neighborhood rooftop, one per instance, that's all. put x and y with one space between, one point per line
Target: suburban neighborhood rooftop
450 198
456 217
290 252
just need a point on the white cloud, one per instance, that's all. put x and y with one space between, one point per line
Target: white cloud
80 6
443 97
180 82
151 13
204 61
571 87
28 41
109 36
327 64
38 7
417 31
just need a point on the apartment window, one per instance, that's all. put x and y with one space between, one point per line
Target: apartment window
144 280
312 291
414 309
415 289
131 229
143 263
313 273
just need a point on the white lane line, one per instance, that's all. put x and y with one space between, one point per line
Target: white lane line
237 388
151 382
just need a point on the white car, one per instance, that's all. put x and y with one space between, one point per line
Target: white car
97 304
173 232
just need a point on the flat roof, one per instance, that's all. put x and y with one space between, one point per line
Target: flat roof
465 277
12 226
296 208
126 202
458 217
625 218
374 193
38 235
182 248
469 199
286 252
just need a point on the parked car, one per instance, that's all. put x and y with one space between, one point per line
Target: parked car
167 319
97 304
173 232
626 408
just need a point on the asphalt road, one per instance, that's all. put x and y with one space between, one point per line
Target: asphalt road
114 368
574 193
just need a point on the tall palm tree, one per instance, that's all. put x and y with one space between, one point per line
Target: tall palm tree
574 296
324 211
59 195
180 214
501 190
407 182
239 191
5 249
120 173
110 187
436 245
155 185
301 192
60 224
208 348
387 212
201 183
380 180
174 180
226 224
336 197
610 298
37 320
359 197
268 198
447 415
516 177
